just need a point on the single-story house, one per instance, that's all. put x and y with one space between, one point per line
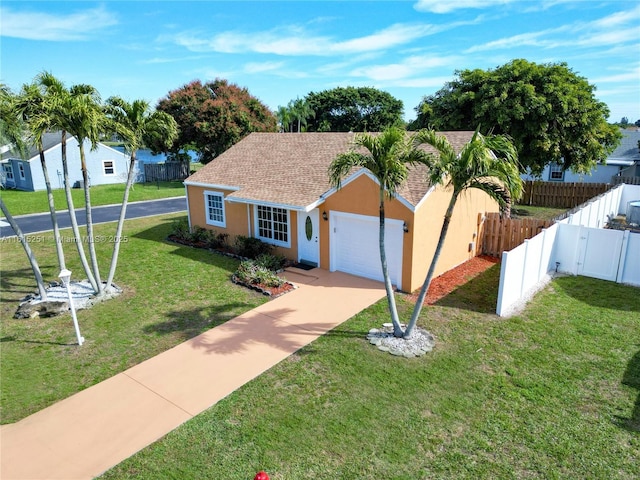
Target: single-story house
104 164
624 160
275 186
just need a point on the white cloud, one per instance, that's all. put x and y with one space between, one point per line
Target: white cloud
614 29
295 41
440 6
45 26
410 67
261 67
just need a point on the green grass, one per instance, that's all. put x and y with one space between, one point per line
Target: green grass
529 211
540 395
21 203
171 293
551 393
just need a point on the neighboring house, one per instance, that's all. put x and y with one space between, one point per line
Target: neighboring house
104 164
624 160
275 186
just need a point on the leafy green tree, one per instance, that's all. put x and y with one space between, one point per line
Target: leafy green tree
213 116
550 112
136 125
12 132
353 109
388 157
489 164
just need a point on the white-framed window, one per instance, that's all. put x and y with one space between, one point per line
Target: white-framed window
109 167
21 171
8 169
272 225
214 209
556 172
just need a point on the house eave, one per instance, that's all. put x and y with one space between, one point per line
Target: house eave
210 185
286 206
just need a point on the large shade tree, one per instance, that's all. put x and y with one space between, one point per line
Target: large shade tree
388 157
136 125
353 109
549 111
487 163
213 116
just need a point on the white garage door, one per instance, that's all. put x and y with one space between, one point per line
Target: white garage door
355 247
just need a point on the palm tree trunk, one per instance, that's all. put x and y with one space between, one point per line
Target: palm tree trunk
72 216
434 261
27 249
52 210
123 212
87 207
391 299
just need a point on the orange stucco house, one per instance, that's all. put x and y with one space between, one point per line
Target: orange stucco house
275 186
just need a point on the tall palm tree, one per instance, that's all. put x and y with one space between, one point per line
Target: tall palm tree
12 131
134 122
300 110
388 157
283 114
488 163
34 110
59 98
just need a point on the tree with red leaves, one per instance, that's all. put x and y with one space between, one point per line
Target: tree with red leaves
214 116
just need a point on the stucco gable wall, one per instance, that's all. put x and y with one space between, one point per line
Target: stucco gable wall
361 196
463 226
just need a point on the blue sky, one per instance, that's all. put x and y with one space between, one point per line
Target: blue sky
283 50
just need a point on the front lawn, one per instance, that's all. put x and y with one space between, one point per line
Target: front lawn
546 394
551 393
171 293
21 203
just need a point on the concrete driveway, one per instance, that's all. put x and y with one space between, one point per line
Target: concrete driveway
86 434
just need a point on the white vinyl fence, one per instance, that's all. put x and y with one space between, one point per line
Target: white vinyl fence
577 245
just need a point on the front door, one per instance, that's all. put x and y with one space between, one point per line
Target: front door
308 237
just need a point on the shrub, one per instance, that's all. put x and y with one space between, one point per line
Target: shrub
271 262
180 229
250 247
251 273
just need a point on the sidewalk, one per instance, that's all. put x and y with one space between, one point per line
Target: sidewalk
86 434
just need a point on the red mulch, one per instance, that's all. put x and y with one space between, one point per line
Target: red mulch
449 281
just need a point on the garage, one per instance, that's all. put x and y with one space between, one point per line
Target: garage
355 248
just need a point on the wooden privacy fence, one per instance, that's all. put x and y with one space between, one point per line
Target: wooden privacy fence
165 172
560 195
503 234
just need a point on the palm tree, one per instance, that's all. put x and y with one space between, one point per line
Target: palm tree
300 110
12 131
283 114
388 157
33 108
133 122
59 98
488 163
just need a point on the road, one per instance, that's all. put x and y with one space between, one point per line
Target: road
41 222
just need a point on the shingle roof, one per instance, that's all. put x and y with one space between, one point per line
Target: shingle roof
291 168
49 140
628 149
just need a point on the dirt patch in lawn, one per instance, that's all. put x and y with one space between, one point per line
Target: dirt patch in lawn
447 282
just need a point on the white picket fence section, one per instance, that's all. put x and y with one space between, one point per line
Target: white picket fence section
577 245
